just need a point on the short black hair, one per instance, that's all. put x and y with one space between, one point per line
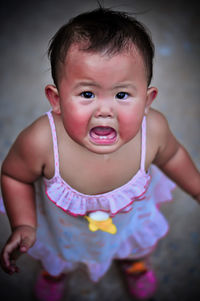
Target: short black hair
102 29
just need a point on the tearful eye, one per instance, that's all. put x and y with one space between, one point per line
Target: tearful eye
122 95
87 94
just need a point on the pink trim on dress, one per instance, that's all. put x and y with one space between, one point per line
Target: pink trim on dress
89 210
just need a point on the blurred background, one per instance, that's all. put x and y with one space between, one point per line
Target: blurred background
25 30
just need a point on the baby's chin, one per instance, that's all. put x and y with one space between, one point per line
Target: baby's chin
104 149
100 145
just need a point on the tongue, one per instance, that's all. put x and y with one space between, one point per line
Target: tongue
102 131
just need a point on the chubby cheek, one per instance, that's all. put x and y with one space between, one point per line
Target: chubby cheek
75 122
129 125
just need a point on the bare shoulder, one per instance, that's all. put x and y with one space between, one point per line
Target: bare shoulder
162 137
157 122
28 154
35 137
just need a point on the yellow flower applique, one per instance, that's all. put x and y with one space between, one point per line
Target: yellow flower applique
100 220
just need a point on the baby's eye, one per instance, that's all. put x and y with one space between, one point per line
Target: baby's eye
87 94
122 95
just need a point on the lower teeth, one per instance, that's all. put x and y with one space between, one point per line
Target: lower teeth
103 137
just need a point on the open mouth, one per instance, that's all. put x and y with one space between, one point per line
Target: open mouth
103 135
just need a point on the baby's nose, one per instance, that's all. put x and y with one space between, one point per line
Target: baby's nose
105 109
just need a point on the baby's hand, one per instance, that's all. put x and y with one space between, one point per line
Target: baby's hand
21 239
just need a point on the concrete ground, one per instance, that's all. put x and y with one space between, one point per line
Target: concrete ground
25 31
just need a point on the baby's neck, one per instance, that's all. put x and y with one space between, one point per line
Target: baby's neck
106 157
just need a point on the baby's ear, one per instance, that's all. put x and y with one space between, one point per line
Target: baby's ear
53 96
151 95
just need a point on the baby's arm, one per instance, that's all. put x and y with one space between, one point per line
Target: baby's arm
22 166
175 161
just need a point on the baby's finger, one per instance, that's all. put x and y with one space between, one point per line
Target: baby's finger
25 244
6 254
13 267
5 257
8 264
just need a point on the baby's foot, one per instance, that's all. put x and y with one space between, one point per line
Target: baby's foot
141 280
49 288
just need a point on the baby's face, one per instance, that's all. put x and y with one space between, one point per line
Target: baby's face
103 98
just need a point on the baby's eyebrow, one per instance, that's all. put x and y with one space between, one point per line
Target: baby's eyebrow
124 85
86 84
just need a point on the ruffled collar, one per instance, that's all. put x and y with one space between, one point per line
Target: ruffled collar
76 203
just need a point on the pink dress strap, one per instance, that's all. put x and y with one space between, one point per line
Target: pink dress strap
55 143
143 145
